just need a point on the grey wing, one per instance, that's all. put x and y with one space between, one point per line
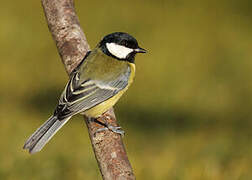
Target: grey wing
80 96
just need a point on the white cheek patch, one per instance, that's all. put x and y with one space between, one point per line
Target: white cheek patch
118 51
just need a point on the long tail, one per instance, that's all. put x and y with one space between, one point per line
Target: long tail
43 134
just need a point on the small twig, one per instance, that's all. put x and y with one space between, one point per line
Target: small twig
72 45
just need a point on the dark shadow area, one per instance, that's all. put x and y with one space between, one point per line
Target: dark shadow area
43 101
155 121
242 7
150 120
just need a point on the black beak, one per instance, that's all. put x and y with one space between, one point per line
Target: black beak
140 50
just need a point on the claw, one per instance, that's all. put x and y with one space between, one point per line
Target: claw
100 130
115 129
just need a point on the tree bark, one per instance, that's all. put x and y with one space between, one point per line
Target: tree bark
72 45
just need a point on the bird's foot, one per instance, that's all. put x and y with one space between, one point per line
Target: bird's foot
107 126
115 129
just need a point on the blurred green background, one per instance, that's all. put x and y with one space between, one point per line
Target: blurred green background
187 116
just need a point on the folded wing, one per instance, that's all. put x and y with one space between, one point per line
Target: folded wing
80 96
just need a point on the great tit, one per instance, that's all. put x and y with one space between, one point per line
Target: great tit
95 85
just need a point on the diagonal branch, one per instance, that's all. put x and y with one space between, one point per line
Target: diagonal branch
72 45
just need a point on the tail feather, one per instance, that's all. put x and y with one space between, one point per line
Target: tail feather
43 134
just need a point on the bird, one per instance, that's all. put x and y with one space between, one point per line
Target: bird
94 86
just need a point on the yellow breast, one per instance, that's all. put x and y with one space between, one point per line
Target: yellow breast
96 111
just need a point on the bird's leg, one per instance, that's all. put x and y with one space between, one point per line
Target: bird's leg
95 120
107 126
115 129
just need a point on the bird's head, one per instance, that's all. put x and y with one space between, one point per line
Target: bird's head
121 46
